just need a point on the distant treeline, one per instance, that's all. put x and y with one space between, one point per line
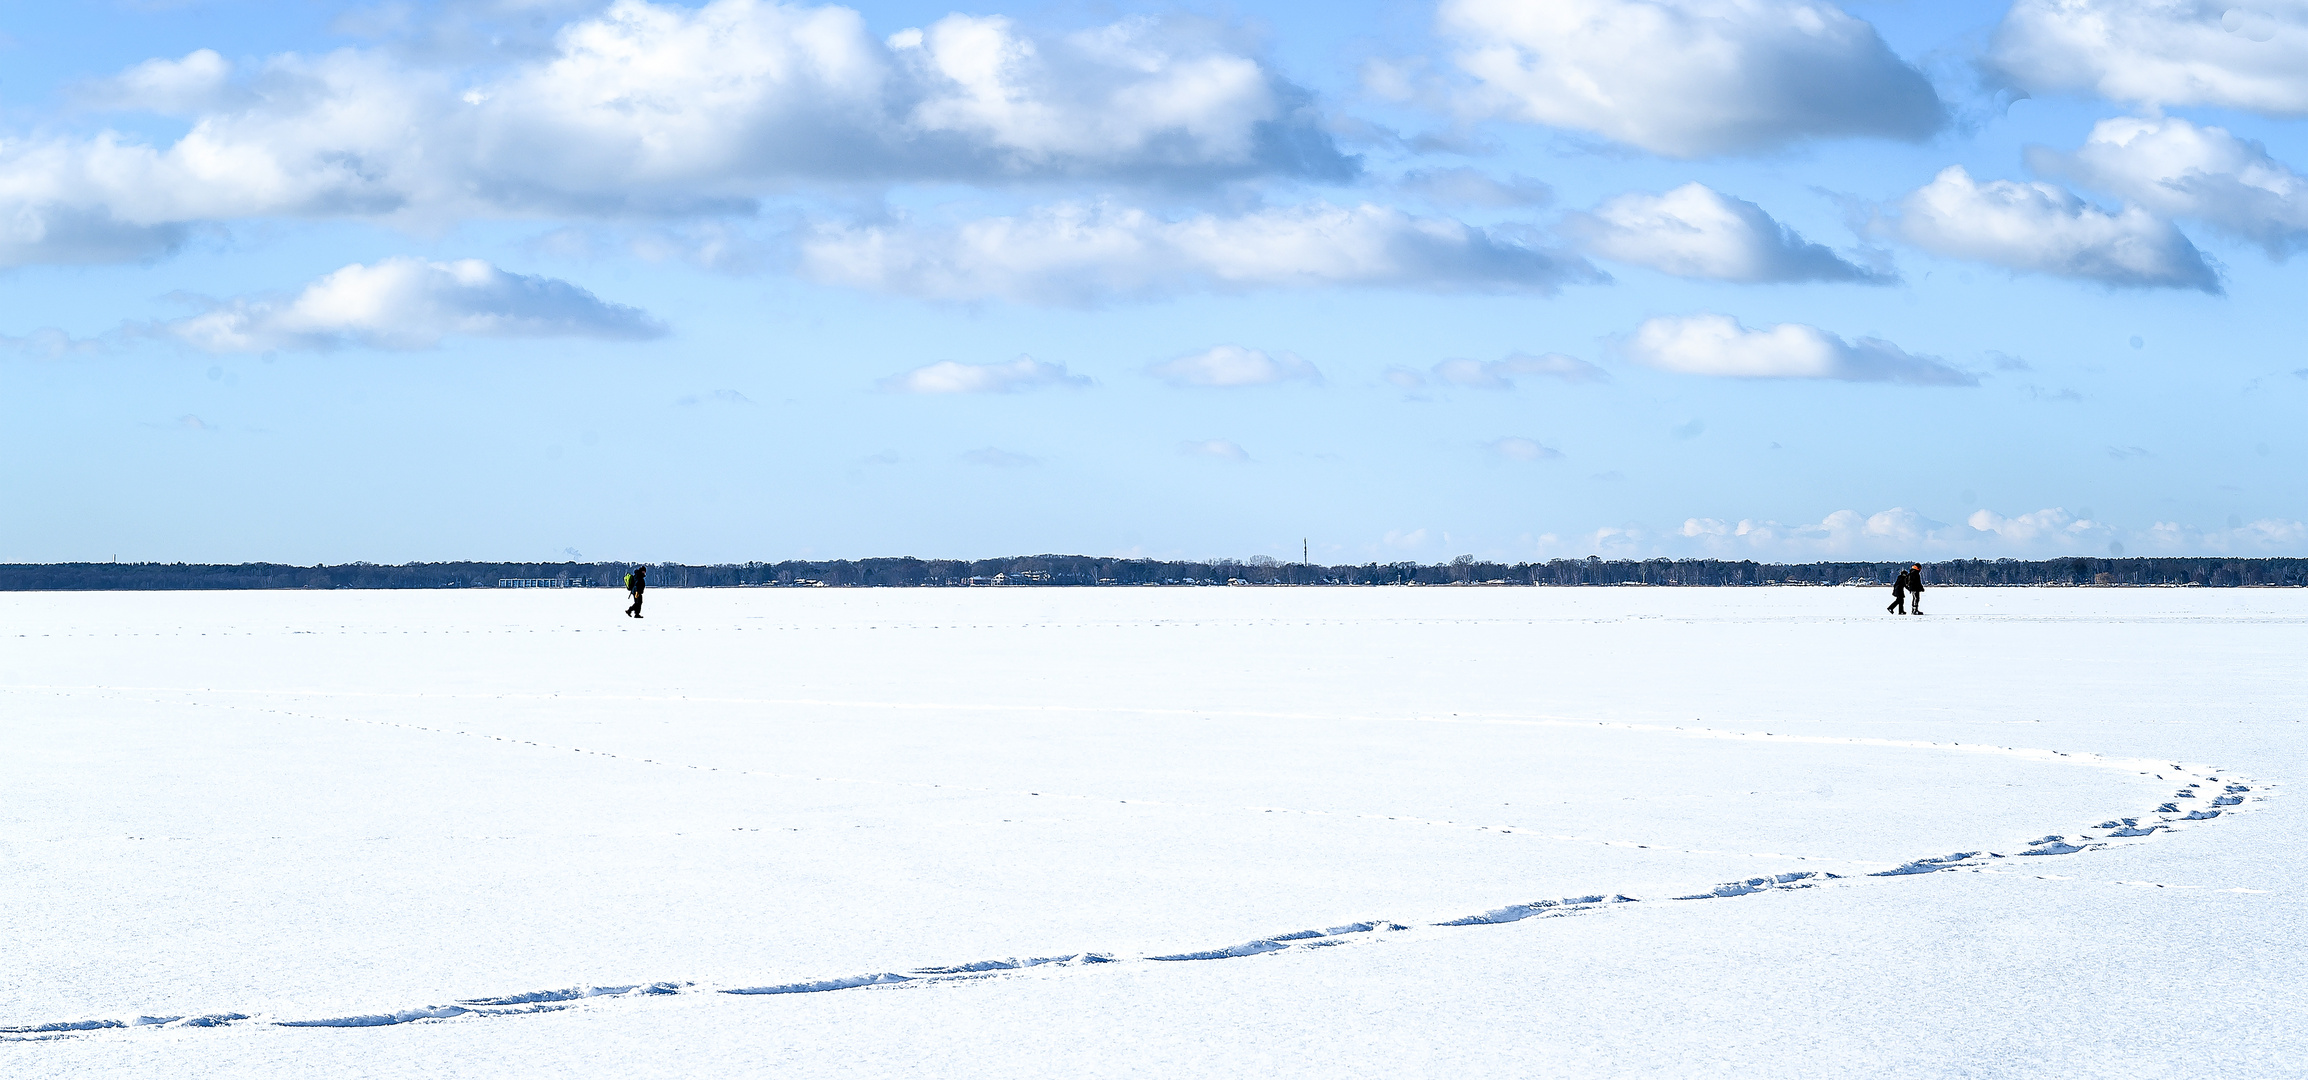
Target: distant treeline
1085 570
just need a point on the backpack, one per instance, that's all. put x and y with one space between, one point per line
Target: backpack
628 582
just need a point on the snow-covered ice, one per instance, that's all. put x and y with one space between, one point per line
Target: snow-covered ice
1158 832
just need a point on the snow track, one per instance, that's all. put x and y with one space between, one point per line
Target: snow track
232 825
2233 793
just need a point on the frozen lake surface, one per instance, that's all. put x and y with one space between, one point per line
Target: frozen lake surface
1154 832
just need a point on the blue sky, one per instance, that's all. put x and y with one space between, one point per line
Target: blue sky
529 279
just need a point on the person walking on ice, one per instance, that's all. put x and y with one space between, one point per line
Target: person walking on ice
634 583
1898 605
1915 589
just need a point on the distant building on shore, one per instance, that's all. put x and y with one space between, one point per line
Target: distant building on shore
1021 577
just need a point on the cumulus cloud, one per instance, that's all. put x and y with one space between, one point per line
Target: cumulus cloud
1902 534
2161 52
2045 229
1517 448
1233 365
954 377
409 303
1133 92
1221 449
661 109
2052 528
2178 169
1407 539
200 81
1896 531
1689 78
1079 254
1695 231
2267 536
1718 345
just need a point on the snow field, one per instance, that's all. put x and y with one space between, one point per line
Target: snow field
348 807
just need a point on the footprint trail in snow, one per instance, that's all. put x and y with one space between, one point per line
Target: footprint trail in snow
2201 795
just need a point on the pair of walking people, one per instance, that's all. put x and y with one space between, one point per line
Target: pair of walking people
1908 584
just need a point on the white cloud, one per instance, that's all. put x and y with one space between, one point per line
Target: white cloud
1688 78
343 135
744 91
1409 539
1501 374
2045 229
1222 449
2161 52
1901 534
2054 531
1695 231
2267 536
1127 92
175 87
2052 528
1516 448
2178 169
660 109
1233 365
954 377
1718 345
1081 254
409 303
1893 533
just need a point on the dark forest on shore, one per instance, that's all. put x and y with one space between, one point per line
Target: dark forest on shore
1080 570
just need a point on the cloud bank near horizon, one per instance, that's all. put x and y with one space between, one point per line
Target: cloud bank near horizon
1903 534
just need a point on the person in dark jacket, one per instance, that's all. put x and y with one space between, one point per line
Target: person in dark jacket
1915 589
1898 605
634 583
